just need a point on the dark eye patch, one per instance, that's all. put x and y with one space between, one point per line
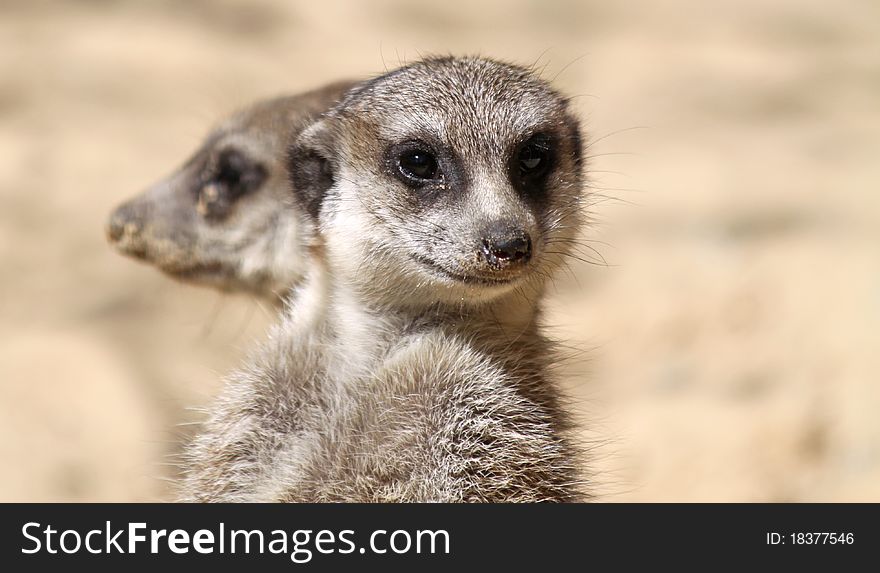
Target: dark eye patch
530 163
238 173
232 176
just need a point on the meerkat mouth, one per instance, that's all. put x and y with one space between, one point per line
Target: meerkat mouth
438 269
200 272
195 272
137 252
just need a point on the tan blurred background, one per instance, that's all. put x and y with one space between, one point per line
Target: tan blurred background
730 348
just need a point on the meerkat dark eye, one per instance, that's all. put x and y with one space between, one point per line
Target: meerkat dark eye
534 156
231 176
237 173
418 164
228 172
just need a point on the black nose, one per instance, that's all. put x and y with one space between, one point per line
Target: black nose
115 228
507 248
126 219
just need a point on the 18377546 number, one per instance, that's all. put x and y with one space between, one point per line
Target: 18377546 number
822 538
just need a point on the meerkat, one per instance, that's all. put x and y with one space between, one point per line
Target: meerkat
411 365
227 217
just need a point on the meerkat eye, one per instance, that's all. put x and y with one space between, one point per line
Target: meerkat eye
534 155
229 170
417 164
229 178
236 170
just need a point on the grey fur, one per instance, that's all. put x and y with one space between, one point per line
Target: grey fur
258 241
407 368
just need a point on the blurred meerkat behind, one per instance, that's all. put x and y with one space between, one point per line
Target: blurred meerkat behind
227 218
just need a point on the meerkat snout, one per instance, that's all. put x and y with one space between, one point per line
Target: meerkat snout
125 225
503 247
116 226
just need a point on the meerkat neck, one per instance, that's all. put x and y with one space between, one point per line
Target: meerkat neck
355 330
507 319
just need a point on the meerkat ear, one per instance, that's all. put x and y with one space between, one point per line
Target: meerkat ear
311 166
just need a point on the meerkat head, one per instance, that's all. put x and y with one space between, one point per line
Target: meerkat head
451 180
227 218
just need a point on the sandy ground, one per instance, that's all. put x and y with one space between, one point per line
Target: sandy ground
728 351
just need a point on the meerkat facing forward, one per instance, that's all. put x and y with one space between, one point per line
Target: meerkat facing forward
227 217
411 366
